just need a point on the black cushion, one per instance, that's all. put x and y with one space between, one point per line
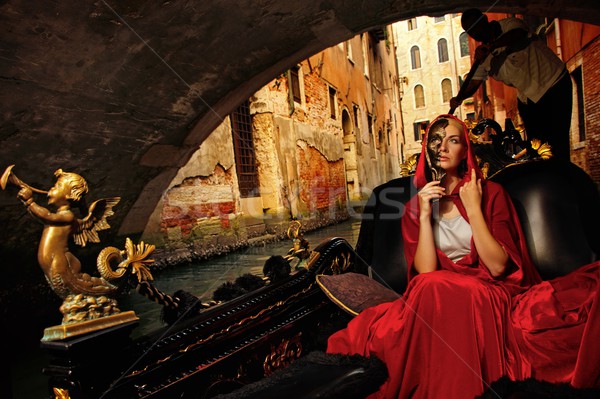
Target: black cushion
380 237
558 206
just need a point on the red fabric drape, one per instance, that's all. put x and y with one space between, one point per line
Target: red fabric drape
456 330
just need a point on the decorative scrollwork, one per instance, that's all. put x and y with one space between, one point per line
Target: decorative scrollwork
341 263
544 150
282 356
409 167
300 252
61 393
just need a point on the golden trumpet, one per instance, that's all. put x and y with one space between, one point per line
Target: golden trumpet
9 177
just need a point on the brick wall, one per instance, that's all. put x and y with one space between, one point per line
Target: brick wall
322 184
200 207
316 92
591 82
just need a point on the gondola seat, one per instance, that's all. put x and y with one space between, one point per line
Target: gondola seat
557 204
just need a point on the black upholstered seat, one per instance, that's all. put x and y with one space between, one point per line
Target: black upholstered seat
559 209
558 205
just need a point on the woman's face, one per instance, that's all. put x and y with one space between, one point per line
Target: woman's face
446 148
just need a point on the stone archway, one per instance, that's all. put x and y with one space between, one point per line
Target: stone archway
125 92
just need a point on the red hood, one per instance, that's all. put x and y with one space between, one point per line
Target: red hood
422 175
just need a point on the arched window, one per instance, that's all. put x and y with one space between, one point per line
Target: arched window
419 96
415 57
463 40
346 123
442 50
446 90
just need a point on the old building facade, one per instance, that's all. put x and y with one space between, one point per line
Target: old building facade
309 146
433 58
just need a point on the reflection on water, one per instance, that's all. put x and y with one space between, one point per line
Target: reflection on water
200 279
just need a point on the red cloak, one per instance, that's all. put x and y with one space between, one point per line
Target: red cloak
457 329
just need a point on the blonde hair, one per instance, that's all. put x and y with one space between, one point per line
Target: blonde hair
77 185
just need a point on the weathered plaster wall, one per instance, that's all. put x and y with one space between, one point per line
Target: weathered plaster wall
200 208
363 71
322 185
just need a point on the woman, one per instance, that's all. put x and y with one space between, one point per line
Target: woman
474 309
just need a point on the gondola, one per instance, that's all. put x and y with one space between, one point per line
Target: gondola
270 342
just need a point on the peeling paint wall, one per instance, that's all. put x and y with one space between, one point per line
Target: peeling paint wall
310 160
201 207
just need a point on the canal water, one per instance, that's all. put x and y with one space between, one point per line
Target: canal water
200 279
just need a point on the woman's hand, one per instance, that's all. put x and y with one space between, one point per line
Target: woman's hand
470 194
429 192
493 255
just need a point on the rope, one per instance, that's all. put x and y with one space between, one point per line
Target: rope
154 294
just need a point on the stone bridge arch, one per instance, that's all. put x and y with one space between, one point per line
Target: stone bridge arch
124 92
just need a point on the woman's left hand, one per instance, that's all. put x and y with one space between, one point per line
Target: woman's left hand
470 193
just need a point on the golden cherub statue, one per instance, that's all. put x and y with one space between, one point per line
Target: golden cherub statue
85 297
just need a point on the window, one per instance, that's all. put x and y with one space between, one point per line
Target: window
243 144
437 20
579 107
356 111
346 123
415 57
419 129
332 102
419 96
295 84
365 52
349 51
412 24
442 50
446 90
463 40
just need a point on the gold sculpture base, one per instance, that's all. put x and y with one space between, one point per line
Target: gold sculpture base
63 331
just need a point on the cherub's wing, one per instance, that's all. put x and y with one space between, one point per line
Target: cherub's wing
86 229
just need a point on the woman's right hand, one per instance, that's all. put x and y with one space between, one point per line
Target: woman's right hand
428 193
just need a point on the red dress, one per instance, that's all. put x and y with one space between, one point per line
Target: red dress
457 329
